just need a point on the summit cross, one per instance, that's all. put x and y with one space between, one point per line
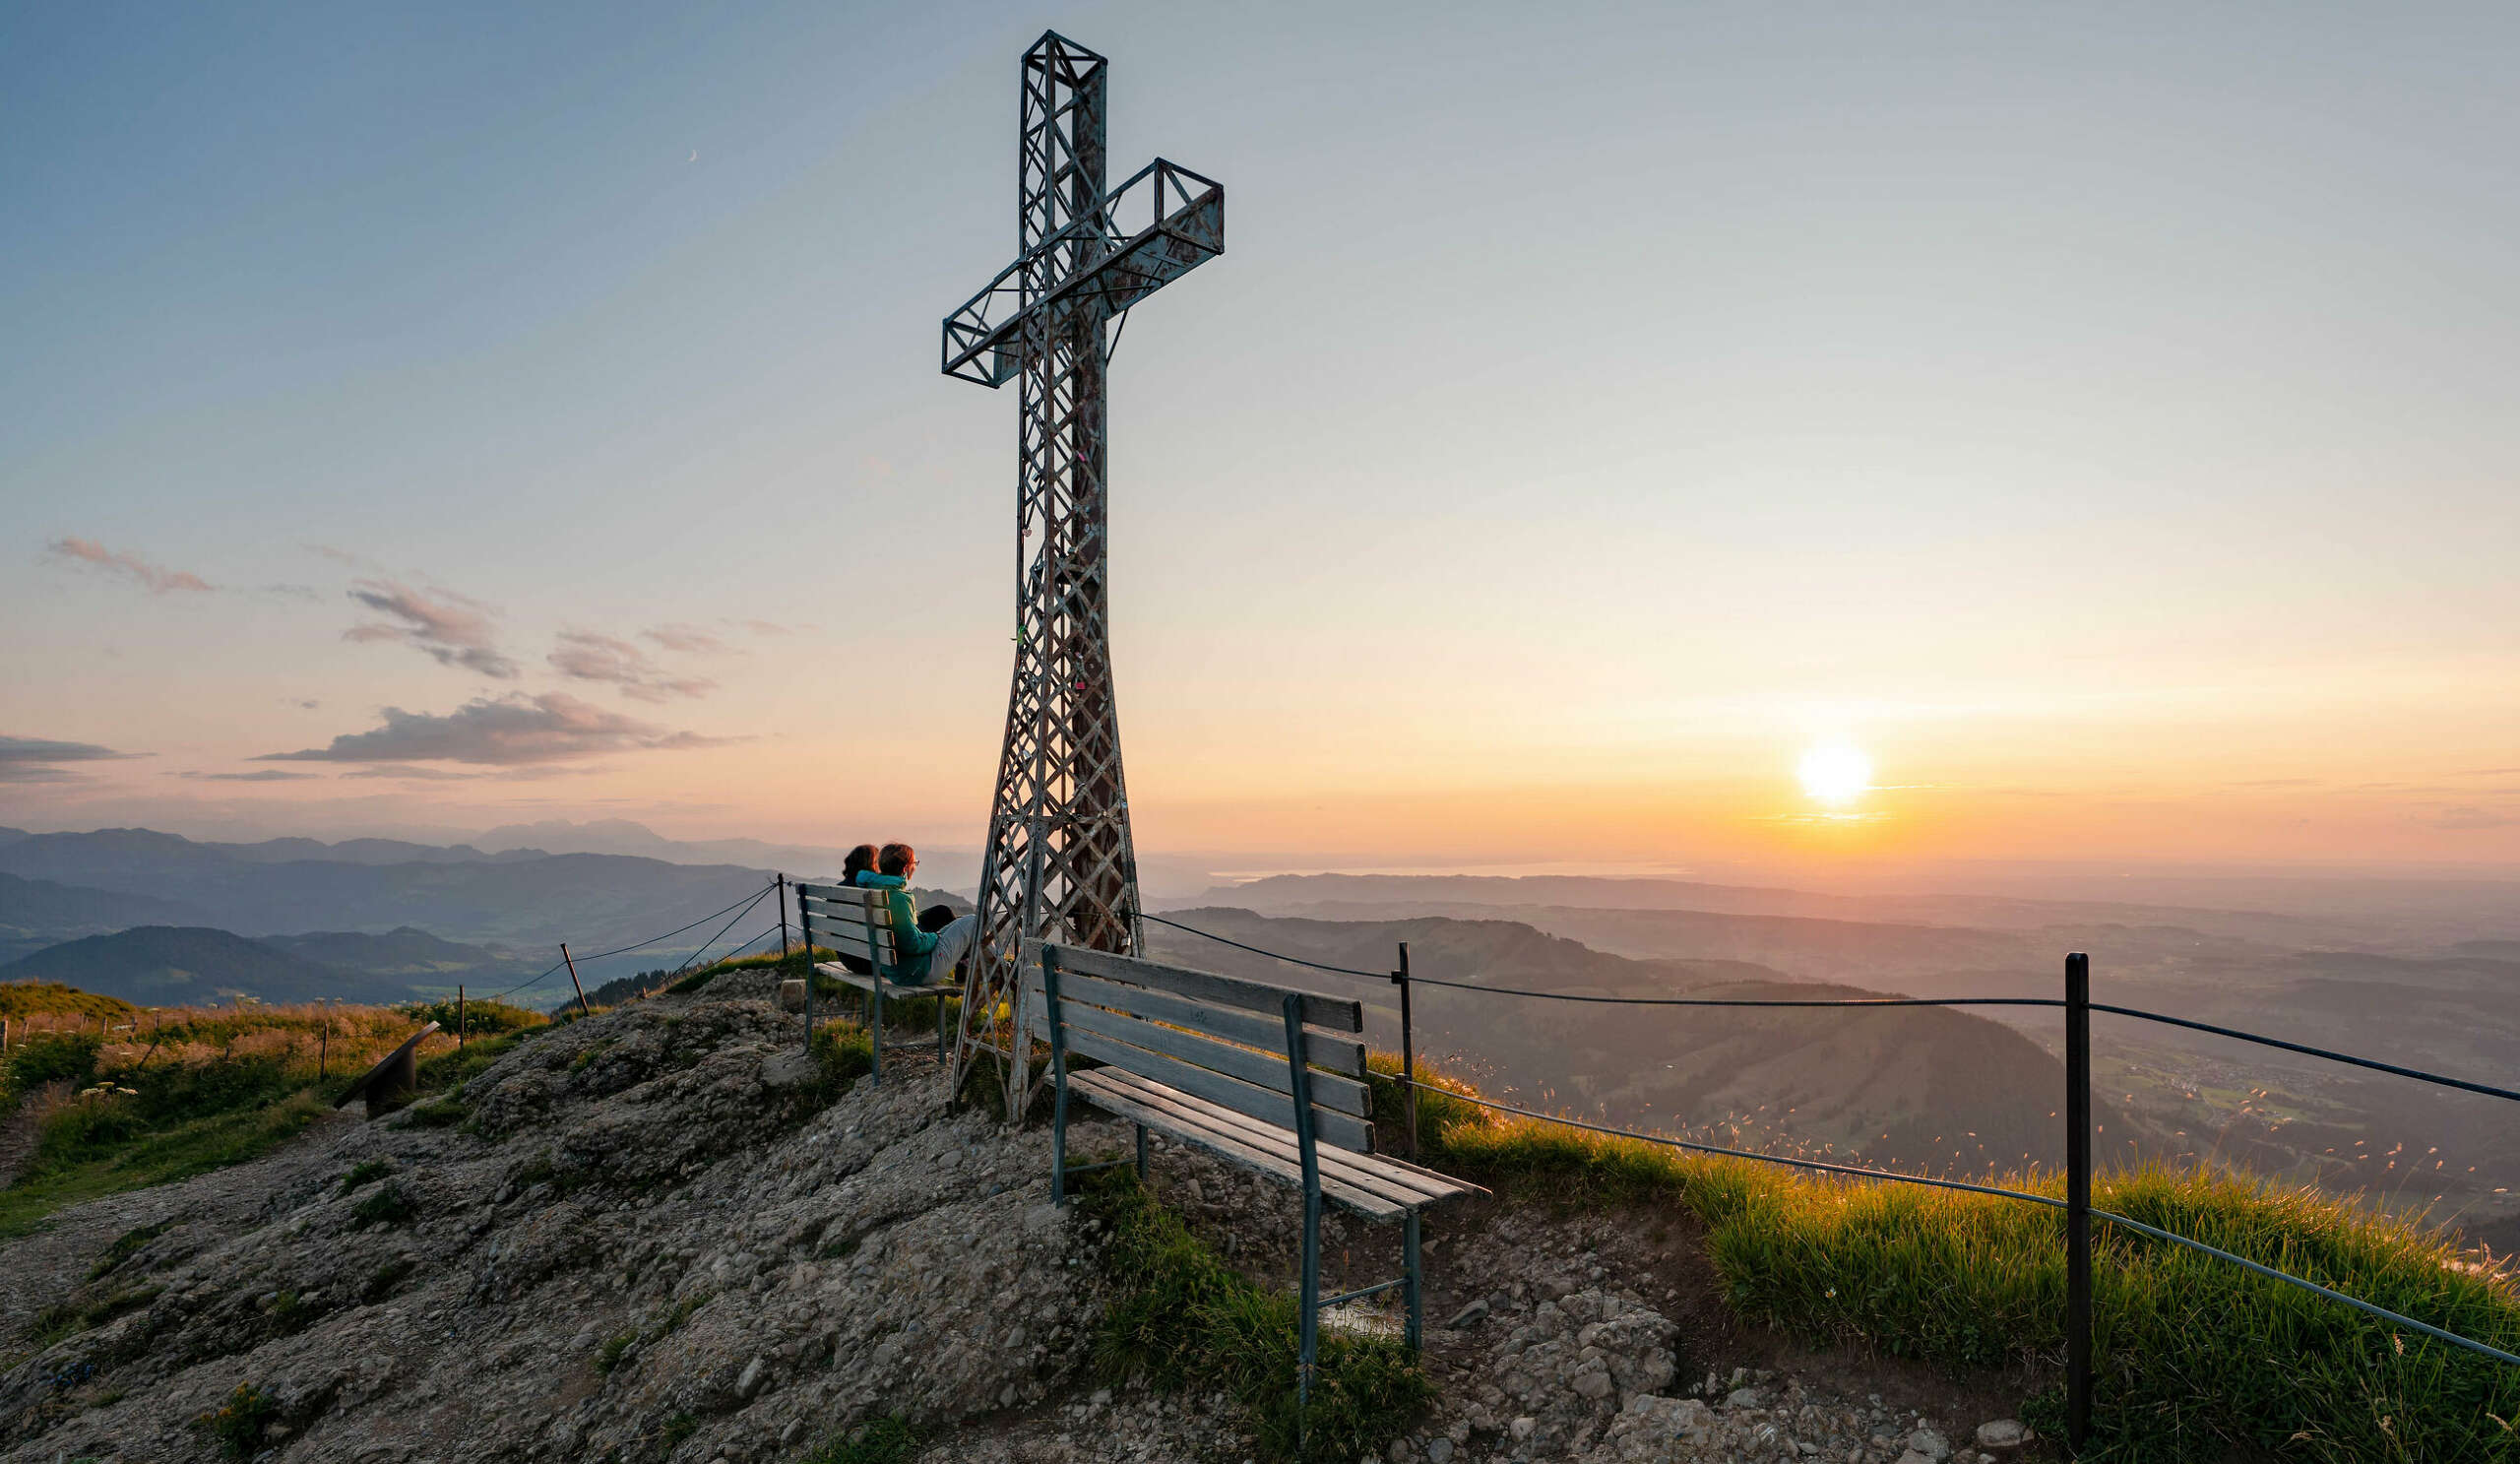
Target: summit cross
1059 863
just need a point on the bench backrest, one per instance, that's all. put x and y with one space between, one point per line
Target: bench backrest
850 918
1220 1038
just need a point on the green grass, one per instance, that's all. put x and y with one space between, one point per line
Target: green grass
176 1151
480 1018
842 1054
883 1441
236 1427
388 1204
125 1246
365 1172
2195 1357
609 1358
20 999
1184 1318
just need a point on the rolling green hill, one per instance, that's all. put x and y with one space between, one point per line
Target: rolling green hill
183 964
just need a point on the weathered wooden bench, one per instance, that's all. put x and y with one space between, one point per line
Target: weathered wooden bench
855 921
1243 1070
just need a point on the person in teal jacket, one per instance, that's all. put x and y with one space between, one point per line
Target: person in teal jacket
926 955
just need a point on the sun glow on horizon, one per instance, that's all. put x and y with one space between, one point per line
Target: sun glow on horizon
1834 774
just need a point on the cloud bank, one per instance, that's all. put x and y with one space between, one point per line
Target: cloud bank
33 759
512 730
588 657
452 629
157 577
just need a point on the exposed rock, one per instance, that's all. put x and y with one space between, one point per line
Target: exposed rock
2002 1434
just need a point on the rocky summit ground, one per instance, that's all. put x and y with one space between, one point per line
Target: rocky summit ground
655 1237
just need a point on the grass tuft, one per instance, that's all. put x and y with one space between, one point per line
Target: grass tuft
125 1246
883 1441
390 1204
236 1427
1184 1317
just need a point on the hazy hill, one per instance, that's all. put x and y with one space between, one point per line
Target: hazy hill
178 965
405 951
1923 1087
36 912
537 899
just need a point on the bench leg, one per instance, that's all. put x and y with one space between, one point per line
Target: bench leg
1309 1348
1058 1146
1141 1150
1415 1288
875 1005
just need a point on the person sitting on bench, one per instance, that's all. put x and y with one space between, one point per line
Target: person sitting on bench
861 860
931 944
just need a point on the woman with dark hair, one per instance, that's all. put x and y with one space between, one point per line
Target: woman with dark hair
861 860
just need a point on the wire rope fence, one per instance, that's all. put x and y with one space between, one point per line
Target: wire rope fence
2079 1212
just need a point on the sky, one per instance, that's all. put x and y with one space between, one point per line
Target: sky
2096 419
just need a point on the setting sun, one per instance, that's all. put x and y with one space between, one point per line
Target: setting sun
1835 774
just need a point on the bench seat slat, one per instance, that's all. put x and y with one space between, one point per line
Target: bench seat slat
850 913
893 989
1321 1049
1336 1013
1403 1182
1232 1144
1260 1069
854 942
1343 1130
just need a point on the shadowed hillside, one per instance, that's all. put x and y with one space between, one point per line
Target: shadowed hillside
1923 1088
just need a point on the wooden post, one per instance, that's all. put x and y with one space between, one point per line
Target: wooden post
583 1010
461 1027
323 1051
1408 1060
2078 1371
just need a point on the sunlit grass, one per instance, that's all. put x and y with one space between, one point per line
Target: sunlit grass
2195 1355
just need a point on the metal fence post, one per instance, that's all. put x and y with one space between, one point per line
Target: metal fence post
2078 1371
783 917
1407 1059
463 1029
583 1010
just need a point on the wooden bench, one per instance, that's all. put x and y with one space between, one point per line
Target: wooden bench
1245 1071
856 920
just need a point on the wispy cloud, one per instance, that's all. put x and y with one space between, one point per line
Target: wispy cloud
38 759
588 657
504 732
158 578
690 639
449 627
2470 816
263 775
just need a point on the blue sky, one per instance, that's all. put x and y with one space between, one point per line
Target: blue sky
2097 410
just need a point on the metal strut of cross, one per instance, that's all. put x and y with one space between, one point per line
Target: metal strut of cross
1059 863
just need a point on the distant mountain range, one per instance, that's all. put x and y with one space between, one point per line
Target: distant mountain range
190 965
528 898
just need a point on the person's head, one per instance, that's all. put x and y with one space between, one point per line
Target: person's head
896 858
861 860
